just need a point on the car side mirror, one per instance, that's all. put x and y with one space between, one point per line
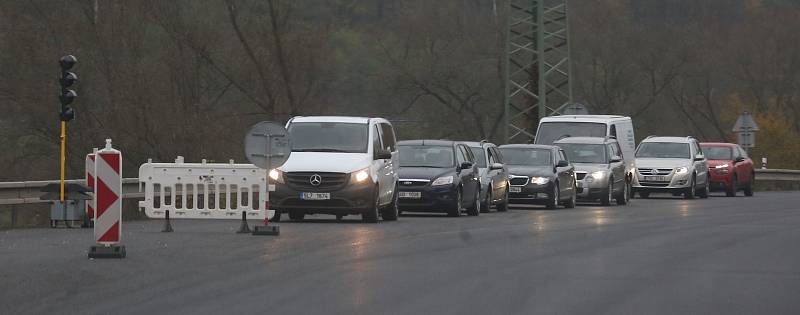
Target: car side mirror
616 158
496 166
739 159
699 157
383 154
465 165
562 163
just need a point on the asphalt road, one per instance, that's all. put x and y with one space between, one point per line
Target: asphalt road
669 256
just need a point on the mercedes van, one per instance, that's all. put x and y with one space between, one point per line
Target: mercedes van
338 166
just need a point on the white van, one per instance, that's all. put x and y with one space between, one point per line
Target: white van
338 166
554 128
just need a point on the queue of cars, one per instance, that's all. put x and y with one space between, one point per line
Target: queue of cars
355 166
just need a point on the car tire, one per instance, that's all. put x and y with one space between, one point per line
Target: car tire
552 203
455 210
690 191
570 204
276 217
486 207
371 216
605 200
748 190
624 197
644 194
731 189
391 211
297 216
503 207
475 209
705 191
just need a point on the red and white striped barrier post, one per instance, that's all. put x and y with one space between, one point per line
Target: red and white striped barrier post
108 204
88 218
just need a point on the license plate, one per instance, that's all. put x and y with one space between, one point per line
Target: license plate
315 196
515 189
655 178
410 195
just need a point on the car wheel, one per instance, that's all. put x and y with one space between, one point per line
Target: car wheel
371 216
276 217
297 216
487 202
572 200
608 196
503 207
689 193
730 191
624 197
644 194
748 190
391 211
554 197
705 191
455 210
475 209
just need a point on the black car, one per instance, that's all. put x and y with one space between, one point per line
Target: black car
539 174
438 176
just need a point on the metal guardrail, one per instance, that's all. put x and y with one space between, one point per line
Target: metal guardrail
16 193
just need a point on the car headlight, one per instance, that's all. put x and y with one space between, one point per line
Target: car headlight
444 180
361 175
276 175
681 170
721 166
540 180
598 174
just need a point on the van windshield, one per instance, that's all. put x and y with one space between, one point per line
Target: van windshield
550 132
426 156
526 157
663 150
585 153
329 137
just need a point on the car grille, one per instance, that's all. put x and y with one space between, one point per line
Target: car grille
580 175
659 171
329 181
414 182
518 180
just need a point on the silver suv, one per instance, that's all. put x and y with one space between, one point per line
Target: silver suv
671 164
600 169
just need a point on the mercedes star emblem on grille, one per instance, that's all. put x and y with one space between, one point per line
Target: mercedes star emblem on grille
654 171
315 180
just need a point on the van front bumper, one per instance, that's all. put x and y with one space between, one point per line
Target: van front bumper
355 198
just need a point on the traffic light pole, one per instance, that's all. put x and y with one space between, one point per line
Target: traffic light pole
63 158
66 114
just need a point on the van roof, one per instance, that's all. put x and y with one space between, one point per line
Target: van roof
586 140
586 118
527 146
339 119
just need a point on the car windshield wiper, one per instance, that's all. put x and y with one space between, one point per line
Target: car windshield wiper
321 150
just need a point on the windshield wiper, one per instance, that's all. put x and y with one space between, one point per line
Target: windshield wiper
321 150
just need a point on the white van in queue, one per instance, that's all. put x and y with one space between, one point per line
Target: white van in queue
338 166
554 128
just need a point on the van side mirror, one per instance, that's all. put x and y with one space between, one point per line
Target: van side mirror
496 166
465 165
383 154
699 157
562 163
616 158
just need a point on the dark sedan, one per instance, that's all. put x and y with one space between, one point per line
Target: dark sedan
438 176
539 174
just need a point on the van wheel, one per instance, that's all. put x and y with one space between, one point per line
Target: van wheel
391 211
297 216
371 216
455 210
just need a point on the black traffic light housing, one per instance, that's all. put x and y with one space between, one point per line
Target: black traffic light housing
67 80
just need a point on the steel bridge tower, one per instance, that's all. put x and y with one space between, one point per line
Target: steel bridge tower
537 65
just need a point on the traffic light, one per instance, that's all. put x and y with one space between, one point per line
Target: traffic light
67 80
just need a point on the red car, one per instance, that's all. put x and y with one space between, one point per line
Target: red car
730 167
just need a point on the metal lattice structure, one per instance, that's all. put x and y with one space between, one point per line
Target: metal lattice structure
537 65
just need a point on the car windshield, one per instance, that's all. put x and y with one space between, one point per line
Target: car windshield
550 132
585 153
718 153
480 156
527 157
329 137
663 150
426 156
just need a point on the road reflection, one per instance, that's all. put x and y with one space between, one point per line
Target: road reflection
359 246
683 209
599 217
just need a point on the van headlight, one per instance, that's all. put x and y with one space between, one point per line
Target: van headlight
361 175
444 180
681 170
540 180
276 175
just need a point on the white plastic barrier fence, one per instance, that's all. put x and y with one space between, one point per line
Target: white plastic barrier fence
203 190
